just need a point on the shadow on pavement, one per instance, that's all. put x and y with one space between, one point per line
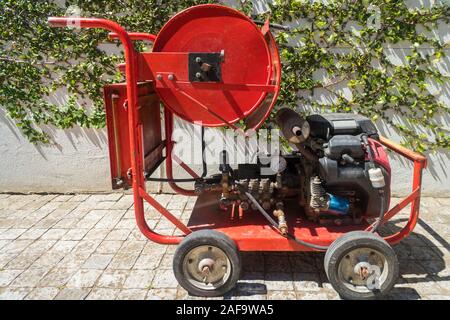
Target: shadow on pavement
421 261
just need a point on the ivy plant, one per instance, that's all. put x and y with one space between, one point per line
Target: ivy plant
345 41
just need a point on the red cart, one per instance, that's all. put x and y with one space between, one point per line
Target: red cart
207 261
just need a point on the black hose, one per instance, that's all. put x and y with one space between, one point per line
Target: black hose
381 215
172 180
303 243
275 225
365 140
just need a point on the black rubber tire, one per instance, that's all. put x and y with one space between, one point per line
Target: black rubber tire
213 238
353 240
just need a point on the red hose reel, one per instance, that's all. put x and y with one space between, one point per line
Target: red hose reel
213 65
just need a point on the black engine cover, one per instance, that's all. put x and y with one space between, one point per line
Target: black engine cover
325 126
342 178
348 144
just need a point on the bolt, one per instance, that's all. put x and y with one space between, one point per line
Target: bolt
364 272
159 77
198 59
205 270
171 77
198 75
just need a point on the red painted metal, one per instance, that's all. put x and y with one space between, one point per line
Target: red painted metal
213 28
136 157
135 36
251 233
115 97
168 125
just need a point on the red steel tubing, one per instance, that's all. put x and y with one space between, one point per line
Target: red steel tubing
135 36
168 125
135 139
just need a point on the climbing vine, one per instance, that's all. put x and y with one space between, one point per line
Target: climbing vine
336 56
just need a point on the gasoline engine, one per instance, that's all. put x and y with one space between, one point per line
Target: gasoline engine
337 174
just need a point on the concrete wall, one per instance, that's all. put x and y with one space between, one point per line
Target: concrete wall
78 162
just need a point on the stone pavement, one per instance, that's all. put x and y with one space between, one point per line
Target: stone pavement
88 247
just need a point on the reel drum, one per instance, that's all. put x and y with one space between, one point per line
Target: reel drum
233 67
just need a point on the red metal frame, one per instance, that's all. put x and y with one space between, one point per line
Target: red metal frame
248 237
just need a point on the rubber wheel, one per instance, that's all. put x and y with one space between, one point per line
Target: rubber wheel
361 266
207 263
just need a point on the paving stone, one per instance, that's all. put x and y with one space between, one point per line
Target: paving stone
84 278
57 277
277 263
66 223
139 279
73 260
96 234
63 197
184 295
252 262
148 262
136 234
109 246
23 261
281 295
279 281
312 295
86 246
54 234
72 294
79 197
161 294
33 233
4 243
118 234
124 260
5 258
98 261
7 276
75 234
126 224
132 294
307 282
16 246
164 279
166 261
436 297
40 246
12 234
303 262
152 248
113 278
47 293
13 293
102 294
29 278
64 246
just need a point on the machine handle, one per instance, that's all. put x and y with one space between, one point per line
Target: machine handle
411 155
135 36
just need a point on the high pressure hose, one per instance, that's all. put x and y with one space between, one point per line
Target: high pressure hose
275 225
377 179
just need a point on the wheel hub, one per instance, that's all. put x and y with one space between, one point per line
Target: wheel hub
207 267
363 269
